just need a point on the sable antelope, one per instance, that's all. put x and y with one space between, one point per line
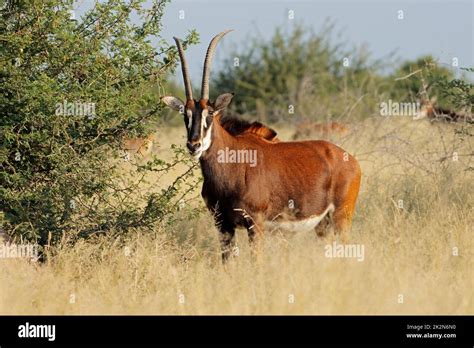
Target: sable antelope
294 185
138 146
325 130
435 113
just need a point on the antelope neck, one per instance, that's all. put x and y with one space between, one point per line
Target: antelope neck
220 139
218 175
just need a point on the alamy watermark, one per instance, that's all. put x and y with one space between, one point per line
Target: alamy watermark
12 250
28 330
335 250
237 156
67 108
393 108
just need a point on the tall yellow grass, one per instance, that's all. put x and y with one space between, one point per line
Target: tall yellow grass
414 219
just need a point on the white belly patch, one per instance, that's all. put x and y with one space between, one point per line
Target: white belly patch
299 225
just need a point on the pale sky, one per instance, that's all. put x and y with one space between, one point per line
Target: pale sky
442 28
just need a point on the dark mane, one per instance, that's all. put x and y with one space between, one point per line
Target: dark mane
234 125
237 126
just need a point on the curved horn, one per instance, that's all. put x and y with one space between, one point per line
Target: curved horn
207 64
184 67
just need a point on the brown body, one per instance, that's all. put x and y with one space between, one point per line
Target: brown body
298 183
311 174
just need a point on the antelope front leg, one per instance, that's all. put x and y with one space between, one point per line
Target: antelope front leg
255 233
254 228
227 240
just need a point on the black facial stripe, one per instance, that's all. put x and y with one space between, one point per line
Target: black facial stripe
195 131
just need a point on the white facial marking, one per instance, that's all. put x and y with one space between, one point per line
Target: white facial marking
206 141
189 115
300 225
203 119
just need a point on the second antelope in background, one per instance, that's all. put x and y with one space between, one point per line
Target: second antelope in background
327 130
251 179
141 147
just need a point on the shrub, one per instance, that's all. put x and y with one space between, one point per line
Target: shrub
300 68
413 78
69 91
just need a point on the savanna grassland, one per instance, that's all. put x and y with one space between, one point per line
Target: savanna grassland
414 219
121 236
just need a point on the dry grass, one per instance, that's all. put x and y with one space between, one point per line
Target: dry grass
177 270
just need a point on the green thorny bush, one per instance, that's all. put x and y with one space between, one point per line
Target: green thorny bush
69 91
424 78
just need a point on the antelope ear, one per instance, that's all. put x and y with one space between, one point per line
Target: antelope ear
223 101
174 103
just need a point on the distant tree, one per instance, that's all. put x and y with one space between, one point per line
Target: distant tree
456 91
298 67
414 78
